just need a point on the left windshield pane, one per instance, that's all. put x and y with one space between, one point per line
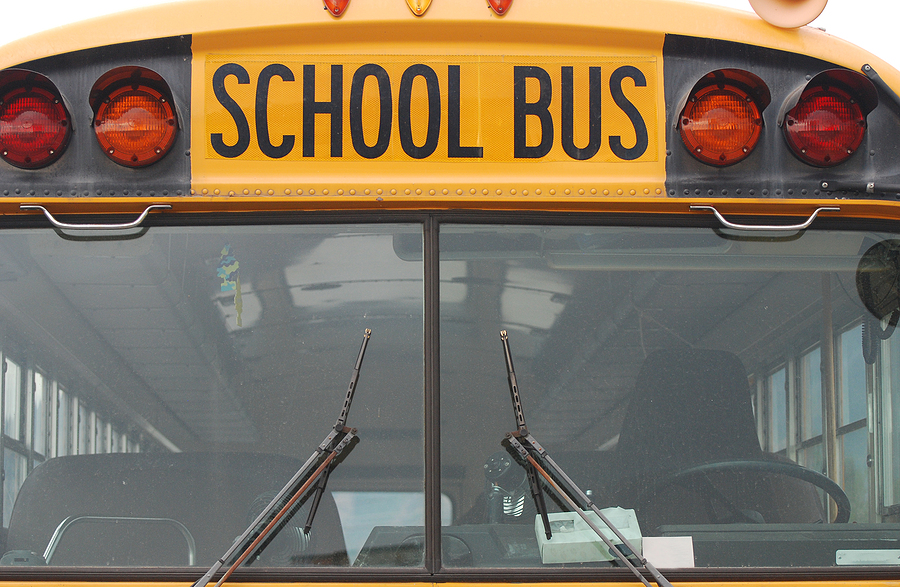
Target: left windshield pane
160 389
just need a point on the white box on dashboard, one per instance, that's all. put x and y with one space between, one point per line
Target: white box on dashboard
573 541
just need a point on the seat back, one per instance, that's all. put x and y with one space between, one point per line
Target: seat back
689 407
692 407
145 509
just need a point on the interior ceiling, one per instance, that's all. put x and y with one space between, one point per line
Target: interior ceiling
139 307
266 384
589 330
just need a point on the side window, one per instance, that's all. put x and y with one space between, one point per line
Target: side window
63 426
890 429
778 411
15 459
803 425
811 450
40 415
855 459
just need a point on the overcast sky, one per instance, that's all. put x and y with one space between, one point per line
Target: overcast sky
871 24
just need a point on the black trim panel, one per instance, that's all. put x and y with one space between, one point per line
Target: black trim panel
771 170
84 170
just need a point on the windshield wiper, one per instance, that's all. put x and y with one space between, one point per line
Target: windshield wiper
537 461
334 443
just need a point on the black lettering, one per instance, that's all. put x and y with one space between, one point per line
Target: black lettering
262 112
568 114
522 109
385 118
404 116
453 98
334 108
240 121
640 127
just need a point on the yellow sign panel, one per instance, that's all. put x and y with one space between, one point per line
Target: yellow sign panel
439 109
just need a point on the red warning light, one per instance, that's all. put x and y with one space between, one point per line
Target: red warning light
501 7
34 124
824 121
825 127
336 7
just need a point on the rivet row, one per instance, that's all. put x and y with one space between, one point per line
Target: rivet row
434 192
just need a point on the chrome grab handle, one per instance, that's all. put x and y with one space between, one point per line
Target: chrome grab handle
71 520
68 226
766 227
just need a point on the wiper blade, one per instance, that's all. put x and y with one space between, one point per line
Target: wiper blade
538 461
334 443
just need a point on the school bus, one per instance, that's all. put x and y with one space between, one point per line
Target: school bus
614 284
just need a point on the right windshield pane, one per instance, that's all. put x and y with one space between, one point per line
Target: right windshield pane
726 399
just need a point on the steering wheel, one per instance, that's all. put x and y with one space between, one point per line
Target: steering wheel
789 469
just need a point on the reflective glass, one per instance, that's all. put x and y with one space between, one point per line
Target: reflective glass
639 353
194 371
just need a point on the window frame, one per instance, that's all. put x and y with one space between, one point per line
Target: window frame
431 222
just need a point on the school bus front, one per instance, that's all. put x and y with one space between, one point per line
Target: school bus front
448 292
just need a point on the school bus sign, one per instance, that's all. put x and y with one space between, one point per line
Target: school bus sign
433 108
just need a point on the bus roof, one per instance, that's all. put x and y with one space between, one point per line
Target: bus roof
363 17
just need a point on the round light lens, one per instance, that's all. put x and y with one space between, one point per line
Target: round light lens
34 127
135 125
825 127
720 125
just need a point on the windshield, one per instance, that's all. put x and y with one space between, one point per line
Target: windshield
160 389
679 373
727 400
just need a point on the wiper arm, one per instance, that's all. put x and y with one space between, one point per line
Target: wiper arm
538 461
522 430
334 443
340 424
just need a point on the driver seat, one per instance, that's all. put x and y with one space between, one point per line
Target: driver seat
692 407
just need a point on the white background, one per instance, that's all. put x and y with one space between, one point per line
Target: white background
871 24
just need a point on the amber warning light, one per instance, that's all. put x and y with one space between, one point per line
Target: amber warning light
721 122
134 118
34 123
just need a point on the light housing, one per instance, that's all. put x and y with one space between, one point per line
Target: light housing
721 119
134 116
418 7
824 122
336 7
501 7
35 126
